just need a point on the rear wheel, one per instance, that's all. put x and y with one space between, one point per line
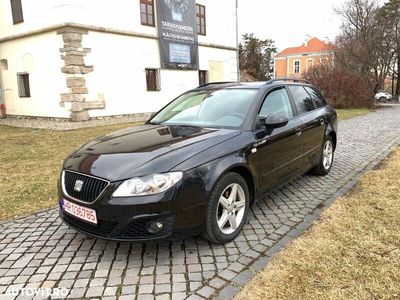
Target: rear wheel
227 209
326 158
382 99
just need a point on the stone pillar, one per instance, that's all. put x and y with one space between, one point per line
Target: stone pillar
73 54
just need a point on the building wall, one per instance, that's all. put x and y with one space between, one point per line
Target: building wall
119 59
40 58
121 15
285 66
119 73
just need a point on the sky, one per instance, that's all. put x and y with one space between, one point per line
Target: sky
289 22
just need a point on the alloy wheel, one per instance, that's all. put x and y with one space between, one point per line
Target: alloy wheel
327 155
231 208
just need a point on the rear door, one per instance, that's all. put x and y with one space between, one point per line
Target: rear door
280 151
312 123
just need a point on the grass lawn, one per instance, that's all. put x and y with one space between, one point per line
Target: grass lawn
30 162
344 114
353 252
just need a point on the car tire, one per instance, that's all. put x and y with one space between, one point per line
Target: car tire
226 212
382 99
326 158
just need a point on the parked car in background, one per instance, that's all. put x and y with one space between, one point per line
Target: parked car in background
383 96
199 163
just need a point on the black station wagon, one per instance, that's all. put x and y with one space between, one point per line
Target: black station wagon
199 163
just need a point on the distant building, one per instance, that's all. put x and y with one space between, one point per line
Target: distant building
83 58
295 61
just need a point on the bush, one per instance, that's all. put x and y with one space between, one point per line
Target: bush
341 87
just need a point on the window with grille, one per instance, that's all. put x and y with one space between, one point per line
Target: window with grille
297 67
201 19
23 85
203 77
16 10
153 79
147 12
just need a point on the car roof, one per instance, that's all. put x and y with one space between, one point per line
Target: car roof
249 85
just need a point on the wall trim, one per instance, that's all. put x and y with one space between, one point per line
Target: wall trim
62 26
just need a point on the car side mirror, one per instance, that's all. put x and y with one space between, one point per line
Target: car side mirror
273 121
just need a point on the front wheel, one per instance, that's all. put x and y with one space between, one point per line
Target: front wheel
227 209
326 158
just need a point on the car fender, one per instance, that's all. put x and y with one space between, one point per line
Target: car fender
245 164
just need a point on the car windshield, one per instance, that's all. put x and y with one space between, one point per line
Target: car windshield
208 108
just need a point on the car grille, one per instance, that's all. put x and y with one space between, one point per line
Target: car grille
138 229
104 228
91 189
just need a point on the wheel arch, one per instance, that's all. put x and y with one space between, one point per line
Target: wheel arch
213 171
247 176
333 135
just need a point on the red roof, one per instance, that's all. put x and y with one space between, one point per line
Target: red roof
314 45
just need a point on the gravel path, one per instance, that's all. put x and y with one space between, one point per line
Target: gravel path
63 124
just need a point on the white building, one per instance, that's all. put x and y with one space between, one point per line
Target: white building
89 58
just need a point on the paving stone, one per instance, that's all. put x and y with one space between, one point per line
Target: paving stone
206 291
146 288
77 293
110 291
217 282
228 292
162 288
178 287
94 292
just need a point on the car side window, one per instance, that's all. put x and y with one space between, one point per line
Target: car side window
278 103
316 96
301 99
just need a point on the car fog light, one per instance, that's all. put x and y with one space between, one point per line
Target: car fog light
155 227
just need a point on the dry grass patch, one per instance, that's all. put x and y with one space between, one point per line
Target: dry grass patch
353 252
30 162
344 114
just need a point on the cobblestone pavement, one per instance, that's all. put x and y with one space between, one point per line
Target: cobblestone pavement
38 251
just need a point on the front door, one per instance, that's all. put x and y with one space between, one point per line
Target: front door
280 151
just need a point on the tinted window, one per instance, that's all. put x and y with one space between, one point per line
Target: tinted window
316 96
301 98
277 102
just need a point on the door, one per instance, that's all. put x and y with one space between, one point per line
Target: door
279 151
312 123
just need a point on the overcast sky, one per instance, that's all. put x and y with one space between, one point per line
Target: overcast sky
288 22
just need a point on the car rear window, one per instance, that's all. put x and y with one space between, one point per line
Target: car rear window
301 99
316 96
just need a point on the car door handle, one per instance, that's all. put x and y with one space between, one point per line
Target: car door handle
298 131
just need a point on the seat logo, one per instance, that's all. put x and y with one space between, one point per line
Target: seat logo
78 185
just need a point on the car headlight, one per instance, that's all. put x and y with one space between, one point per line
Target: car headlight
148 185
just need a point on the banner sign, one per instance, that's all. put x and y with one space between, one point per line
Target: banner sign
177 31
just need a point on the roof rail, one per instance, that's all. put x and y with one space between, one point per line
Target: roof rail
287 79
217 83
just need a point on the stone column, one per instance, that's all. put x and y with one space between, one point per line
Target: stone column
73 55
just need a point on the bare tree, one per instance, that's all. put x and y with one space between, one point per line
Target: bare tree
391 14
365 44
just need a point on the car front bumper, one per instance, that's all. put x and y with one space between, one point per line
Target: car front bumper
180 210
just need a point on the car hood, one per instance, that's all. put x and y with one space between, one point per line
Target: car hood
143 150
